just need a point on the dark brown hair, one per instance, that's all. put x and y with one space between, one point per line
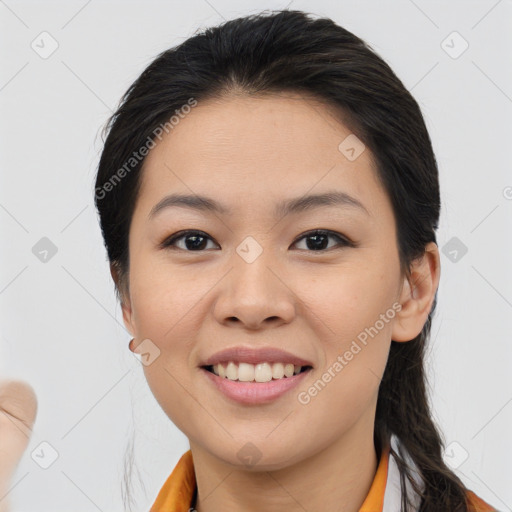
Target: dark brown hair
291 51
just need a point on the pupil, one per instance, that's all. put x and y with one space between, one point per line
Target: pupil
195 244
318 241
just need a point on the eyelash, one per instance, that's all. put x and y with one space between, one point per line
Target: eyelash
342 240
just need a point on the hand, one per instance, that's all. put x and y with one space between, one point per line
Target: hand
18 409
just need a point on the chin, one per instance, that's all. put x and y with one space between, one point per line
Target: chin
257 454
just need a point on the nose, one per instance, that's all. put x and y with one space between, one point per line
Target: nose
254 295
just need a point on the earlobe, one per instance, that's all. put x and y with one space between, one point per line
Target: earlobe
417 295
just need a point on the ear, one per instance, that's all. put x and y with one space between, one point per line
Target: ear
417 295
124 297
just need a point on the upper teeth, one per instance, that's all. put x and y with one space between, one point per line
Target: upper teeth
261 372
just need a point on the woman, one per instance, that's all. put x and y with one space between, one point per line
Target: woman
275 255
269 197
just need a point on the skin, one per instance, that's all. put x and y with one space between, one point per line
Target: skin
18 409
250 153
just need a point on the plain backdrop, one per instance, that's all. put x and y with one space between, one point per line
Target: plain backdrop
61 328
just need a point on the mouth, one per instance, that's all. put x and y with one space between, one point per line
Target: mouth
240 386
253 376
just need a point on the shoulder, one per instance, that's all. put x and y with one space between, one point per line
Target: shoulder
476 504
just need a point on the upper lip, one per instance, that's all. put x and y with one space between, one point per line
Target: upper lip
242 354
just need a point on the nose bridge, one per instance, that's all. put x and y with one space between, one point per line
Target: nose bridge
254 291
251 268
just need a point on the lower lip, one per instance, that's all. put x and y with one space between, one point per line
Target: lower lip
255 392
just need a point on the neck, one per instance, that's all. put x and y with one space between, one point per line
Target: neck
338 477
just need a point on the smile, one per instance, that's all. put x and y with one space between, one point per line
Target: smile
251 392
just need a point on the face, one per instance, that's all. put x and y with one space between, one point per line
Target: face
256 276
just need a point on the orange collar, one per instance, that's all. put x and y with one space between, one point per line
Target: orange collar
178 491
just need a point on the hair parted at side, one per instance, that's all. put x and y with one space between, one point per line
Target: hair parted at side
292 51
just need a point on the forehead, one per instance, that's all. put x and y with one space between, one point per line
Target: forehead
260 148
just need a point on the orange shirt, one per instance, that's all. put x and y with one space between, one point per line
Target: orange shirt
178 491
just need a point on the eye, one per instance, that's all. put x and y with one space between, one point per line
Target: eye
318 240
193 241
197 241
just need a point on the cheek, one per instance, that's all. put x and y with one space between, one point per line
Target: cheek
165 302
354 316
166 309
345 388
169 384
346 301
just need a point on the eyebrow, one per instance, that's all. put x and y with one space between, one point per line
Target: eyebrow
286 207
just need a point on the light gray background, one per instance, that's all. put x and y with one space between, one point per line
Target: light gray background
61 328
